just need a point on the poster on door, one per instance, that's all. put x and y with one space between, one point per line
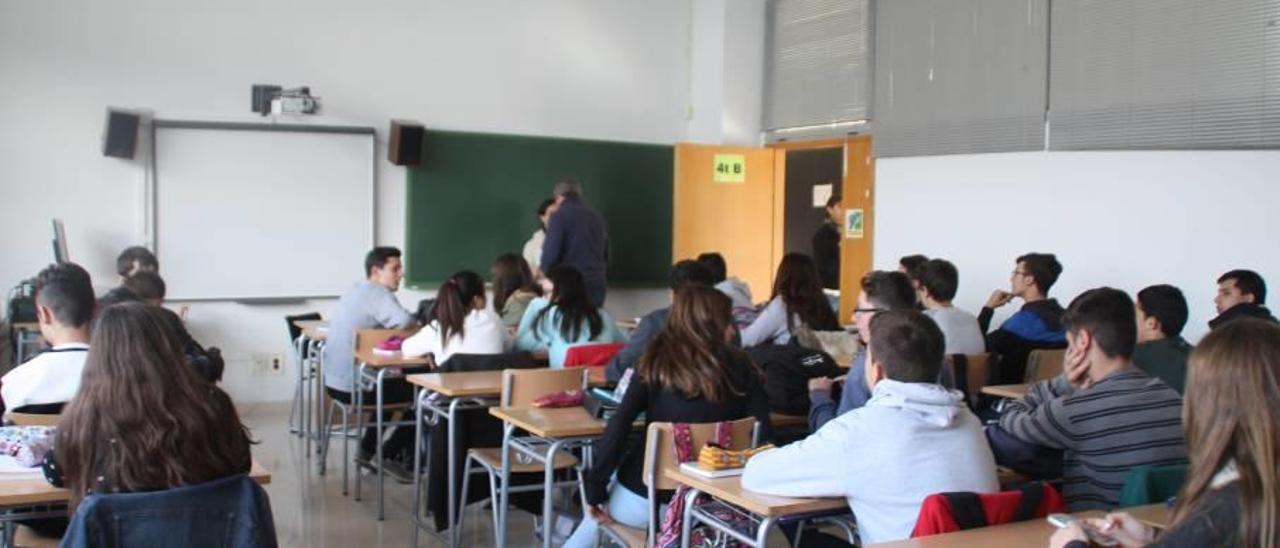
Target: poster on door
853 221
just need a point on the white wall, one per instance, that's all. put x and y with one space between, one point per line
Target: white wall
580 68
727 72
1123 219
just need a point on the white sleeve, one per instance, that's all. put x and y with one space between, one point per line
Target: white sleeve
774 472
425 341
767 325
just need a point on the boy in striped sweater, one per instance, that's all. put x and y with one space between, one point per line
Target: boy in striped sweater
1106 415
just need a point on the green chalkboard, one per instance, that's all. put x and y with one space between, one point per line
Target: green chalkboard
476 194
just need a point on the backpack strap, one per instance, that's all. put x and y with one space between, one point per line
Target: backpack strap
1032 494
966 509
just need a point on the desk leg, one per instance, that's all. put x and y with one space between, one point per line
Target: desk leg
686 521
357 394
454 510
295 412
503 493
548 482
762 532
418 398
377 411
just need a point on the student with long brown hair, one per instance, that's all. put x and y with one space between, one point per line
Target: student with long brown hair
142 420
689 374
567 318
513 288
1231 496
460 323
797 300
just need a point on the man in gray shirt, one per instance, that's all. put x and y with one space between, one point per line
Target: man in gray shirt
370 304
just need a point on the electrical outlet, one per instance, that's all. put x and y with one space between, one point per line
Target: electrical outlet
267 364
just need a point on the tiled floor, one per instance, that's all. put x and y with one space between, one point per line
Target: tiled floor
310 510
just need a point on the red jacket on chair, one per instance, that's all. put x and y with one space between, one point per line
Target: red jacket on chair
949 512
591 355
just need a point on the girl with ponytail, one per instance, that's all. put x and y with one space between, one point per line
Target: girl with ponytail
460 323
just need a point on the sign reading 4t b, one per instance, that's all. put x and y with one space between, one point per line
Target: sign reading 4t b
729 168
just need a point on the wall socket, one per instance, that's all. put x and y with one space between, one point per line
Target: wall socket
267 364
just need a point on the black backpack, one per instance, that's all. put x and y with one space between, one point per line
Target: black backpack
787 370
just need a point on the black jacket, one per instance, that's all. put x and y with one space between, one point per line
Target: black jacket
826 254
1242 310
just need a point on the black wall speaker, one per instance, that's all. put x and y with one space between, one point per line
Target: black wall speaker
407 143
120 136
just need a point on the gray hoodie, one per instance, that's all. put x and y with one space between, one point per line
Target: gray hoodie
911 440
737 290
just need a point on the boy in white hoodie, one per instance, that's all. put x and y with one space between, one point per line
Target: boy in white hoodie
912 439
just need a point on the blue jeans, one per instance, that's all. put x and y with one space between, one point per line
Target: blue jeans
624 506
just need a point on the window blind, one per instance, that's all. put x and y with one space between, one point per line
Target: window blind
818 63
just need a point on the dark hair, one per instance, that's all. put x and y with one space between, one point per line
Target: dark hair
542 210
116 296
378 257
688 272
1167 305
1249 282
800 288
833 200
911 263
143 418
908 345
145 259
146 285
572 305
67 291
690 355
715 263
1107 313
889 290
511 273
1044 268
567 187
453 303
940 278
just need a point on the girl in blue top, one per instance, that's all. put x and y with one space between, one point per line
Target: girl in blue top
566 319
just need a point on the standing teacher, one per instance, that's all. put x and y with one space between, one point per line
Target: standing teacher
576 236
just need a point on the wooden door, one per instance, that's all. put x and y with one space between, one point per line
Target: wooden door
857 196
719 207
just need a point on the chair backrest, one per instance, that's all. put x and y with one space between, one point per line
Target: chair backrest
949 512
1044 364
968 373
31 419
1152 484
591 355
231 511
366 339
295 331
521 386
659 454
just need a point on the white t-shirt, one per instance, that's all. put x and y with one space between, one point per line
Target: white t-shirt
51 377
483 335
960 329
533 249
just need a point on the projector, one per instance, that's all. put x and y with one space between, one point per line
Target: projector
273 99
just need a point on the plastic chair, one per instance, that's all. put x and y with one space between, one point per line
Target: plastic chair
1152 484
1044 364
305 373
519 389
967 373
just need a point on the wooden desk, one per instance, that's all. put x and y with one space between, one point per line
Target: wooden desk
564 422
1035 532
374 360
730 490
1011 391
375 366
460 384
777 420
31 491
313 329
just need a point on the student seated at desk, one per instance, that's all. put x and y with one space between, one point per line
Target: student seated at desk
148 287
737 290
936 282
1161 350
136 259
1241 294
460 322
797 301
683 274
1231 496
567 318
513 288
881 291
1037 325
1106 416
370 304
141 421
912 439
64 310
690 374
